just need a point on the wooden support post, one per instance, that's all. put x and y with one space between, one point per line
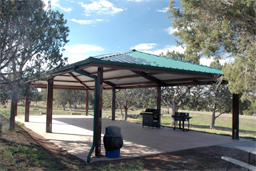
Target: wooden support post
49 105
235 117
27 105
98 112
159 98
86 103
113 103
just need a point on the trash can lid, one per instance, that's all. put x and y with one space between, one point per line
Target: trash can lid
113 131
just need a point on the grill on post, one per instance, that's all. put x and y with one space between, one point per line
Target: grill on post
151 118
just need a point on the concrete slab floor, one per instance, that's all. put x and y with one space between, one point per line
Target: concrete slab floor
74 133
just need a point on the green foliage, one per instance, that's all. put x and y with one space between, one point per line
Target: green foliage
30 35
31 43
4 95
221 28
242 73
72 97
180 56
210 27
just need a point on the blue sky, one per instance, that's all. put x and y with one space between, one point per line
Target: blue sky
107 26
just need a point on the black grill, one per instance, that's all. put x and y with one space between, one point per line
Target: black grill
151 118
181 117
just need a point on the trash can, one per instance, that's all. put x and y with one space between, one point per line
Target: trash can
113 141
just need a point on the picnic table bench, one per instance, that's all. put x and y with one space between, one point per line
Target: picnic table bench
241 163
238 162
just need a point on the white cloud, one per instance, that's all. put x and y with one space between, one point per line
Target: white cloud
46 4
55 3
80 52
138 0
100 6
207 61
144 46
170 30
165 49
86 21
164 10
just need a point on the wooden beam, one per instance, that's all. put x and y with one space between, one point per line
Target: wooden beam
49 105
61 87
72 75
106 82
86 103
160 71
235 116
113 103
122 77
109 83
150 78
106 70
27 105
98 112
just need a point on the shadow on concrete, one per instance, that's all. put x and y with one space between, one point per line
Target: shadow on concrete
163 139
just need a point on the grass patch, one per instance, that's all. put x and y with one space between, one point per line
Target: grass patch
199 122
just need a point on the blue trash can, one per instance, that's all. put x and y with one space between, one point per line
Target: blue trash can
113 141
113 154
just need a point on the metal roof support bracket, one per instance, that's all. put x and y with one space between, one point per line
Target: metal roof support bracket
150 78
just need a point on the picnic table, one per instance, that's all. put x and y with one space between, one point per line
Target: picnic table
249 150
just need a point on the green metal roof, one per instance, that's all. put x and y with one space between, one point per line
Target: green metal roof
149 60
131 69
139 59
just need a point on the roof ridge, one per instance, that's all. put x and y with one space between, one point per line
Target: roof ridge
110 54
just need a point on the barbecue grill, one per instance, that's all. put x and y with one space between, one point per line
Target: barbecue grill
181 117
151 118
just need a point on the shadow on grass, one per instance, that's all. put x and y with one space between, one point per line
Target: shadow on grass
220 128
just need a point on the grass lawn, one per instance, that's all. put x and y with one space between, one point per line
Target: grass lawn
199 122
19 148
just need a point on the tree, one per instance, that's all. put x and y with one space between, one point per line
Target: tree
130 97
175 97
30 44
218 99
62 97
220 28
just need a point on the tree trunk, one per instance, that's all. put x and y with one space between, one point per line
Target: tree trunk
174 109
125 113
75 106
13 111
122 115
213 116
63 107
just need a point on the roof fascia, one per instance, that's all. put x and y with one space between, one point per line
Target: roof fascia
136 67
